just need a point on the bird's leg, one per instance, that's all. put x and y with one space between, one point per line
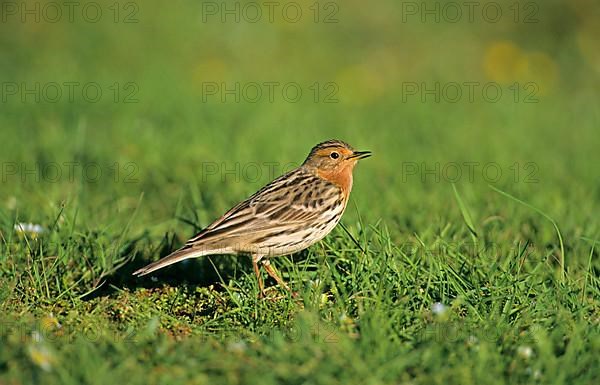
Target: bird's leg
273 274
255 260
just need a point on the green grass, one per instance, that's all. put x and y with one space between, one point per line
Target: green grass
452 281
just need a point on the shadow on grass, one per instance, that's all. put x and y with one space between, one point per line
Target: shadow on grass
203 271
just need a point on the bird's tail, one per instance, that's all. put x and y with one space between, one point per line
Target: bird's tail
175 257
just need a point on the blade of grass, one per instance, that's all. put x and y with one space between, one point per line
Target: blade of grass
465 213
561 259
352 238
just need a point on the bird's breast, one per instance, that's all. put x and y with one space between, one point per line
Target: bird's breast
341 178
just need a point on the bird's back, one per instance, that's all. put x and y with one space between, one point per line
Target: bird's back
287 215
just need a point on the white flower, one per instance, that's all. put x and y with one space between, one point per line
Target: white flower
439 308
524 352
29 228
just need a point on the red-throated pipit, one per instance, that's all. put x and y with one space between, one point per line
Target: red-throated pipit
289 214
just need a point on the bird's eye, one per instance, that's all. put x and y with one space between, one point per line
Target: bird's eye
334 155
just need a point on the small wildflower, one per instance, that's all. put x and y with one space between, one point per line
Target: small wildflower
324 299
30 228
50 322
40 356
525 352
439 309
39 353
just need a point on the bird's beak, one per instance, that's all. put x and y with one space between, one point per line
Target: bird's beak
360 155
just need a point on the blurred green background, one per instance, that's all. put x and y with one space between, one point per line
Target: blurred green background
159 56
174 153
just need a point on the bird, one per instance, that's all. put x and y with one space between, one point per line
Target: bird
288 215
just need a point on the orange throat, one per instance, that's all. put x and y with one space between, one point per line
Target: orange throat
341 178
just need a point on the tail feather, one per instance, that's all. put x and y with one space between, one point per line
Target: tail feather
175 257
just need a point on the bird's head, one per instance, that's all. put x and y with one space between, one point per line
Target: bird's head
334 156
334 161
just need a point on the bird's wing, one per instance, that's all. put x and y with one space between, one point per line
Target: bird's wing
296 197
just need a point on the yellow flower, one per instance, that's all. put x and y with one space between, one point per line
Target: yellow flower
504 62
39 353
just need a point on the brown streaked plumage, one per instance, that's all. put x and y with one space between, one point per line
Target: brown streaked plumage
289 214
